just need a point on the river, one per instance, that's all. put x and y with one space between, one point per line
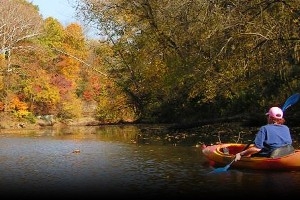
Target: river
112 162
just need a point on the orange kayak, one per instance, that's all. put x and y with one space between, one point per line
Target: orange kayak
221 155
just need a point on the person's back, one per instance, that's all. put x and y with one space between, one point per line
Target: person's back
273 139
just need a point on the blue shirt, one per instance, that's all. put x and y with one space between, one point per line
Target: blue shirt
272 136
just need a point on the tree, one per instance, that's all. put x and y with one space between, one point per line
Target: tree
19 23
197 59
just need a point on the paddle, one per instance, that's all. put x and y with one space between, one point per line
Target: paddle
293 99
290 101
222 169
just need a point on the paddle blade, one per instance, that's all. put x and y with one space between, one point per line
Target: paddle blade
219 170
222 169
291 101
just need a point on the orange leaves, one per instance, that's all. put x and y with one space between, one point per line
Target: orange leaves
17 105
2 106
88 95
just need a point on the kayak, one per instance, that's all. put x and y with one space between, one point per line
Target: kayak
220 155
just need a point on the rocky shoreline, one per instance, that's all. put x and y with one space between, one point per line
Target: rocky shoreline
8 122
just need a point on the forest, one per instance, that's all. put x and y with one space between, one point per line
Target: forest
158 61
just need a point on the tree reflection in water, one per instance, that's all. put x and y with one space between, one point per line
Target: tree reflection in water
125 161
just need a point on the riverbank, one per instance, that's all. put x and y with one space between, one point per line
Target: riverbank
10 122
157 133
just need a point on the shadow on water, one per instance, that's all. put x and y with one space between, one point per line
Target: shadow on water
124 161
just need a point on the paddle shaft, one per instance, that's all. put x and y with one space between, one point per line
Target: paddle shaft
247 146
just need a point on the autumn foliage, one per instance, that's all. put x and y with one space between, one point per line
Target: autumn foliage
156 61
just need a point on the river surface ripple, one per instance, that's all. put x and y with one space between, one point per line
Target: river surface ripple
52 166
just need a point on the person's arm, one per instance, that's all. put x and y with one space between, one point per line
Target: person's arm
247 152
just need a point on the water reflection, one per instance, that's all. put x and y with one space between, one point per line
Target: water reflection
111 163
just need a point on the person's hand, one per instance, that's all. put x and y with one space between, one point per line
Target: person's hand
237 157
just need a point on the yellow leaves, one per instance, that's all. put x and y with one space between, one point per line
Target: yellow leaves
2 82
74 37
50 95
70 109
112 106
40 90
22 113
53 32
69 67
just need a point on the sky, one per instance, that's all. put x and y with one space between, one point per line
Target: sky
62 10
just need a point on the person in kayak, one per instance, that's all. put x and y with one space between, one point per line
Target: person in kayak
272 140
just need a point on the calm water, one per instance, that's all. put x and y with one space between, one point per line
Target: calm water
108 162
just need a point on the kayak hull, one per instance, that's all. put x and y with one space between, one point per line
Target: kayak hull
223 154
